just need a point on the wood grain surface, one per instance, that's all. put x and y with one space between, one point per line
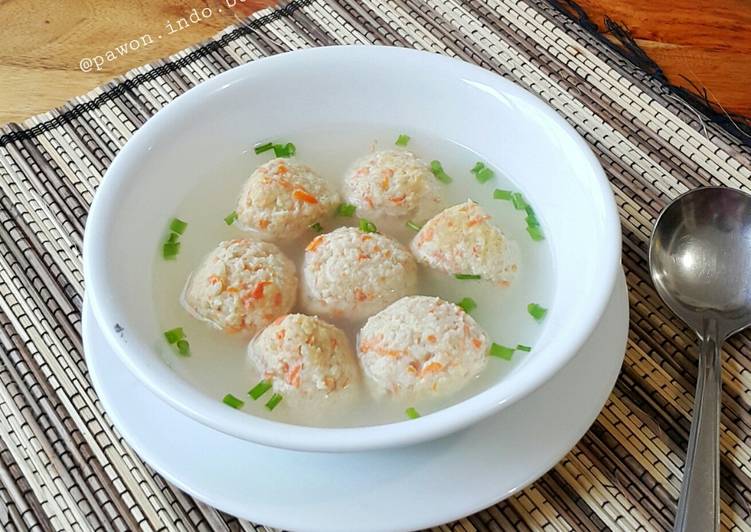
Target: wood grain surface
698 43
42 44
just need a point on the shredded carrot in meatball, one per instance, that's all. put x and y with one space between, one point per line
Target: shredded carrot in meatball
317 241
257 292
301 195
433 367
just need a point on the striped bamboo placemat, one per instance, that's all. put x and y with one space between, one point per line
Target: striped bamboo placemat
64 467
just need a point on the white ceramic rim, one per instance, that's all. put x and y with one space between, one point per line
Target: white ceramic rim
182 396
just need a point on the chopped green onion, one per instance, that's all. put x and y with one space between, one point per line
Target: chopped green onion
173 238
536 311
317 227
466 276
439 173
366 226
284 150
174 335
178 226
412 225
518 200
259 389
535 233
532 221
403 140
260 148
412 413
183 347
230 218
525 348
468 304
501 351
485 175
477 167
346 209
275 400
482 172
234 402
502 194
170 250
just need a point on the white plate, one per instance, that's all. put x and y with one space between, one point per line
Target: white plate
408 488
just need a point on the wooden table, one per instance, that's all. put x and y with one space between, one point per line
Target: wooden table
41 51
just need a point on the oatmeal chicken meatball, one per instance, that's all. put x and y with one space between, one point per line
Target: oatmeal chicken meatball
462 240
282 198
421 346
392 183
241 286
304 356
352 274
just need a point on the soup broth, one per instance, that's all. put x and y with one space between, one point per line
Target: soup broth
218 363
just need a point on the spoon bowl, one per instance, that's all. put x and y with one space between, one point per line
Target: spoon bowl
700 261
700 257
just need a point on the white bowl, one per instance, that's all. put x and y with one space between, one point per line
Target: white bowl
403 89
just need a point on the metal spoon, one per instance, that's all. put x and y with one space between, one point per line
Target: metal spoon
700 261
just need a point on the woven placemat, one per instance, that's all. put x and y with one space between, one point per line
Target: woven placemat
64 467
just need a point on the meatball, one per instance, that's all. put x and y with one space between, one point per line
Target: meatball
241 286
304 356
352 274
421 346
392 183
462 240
282 198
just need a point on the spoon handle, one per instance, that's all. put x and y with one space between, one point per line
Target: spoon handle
699 503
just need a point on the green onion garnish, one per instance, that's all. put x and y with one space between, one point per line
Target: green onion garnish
485 175
501 351
275 400
317 227
234 402
477 167
174 335
536 311
170 250
525 348
439 173
412 225
183 347
502 194
403 140
366 226
284 150
518 200
482 172
178 226
535 233
466 276
468 304
230 218
260 148
173 238
346 209
259 389
412 413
